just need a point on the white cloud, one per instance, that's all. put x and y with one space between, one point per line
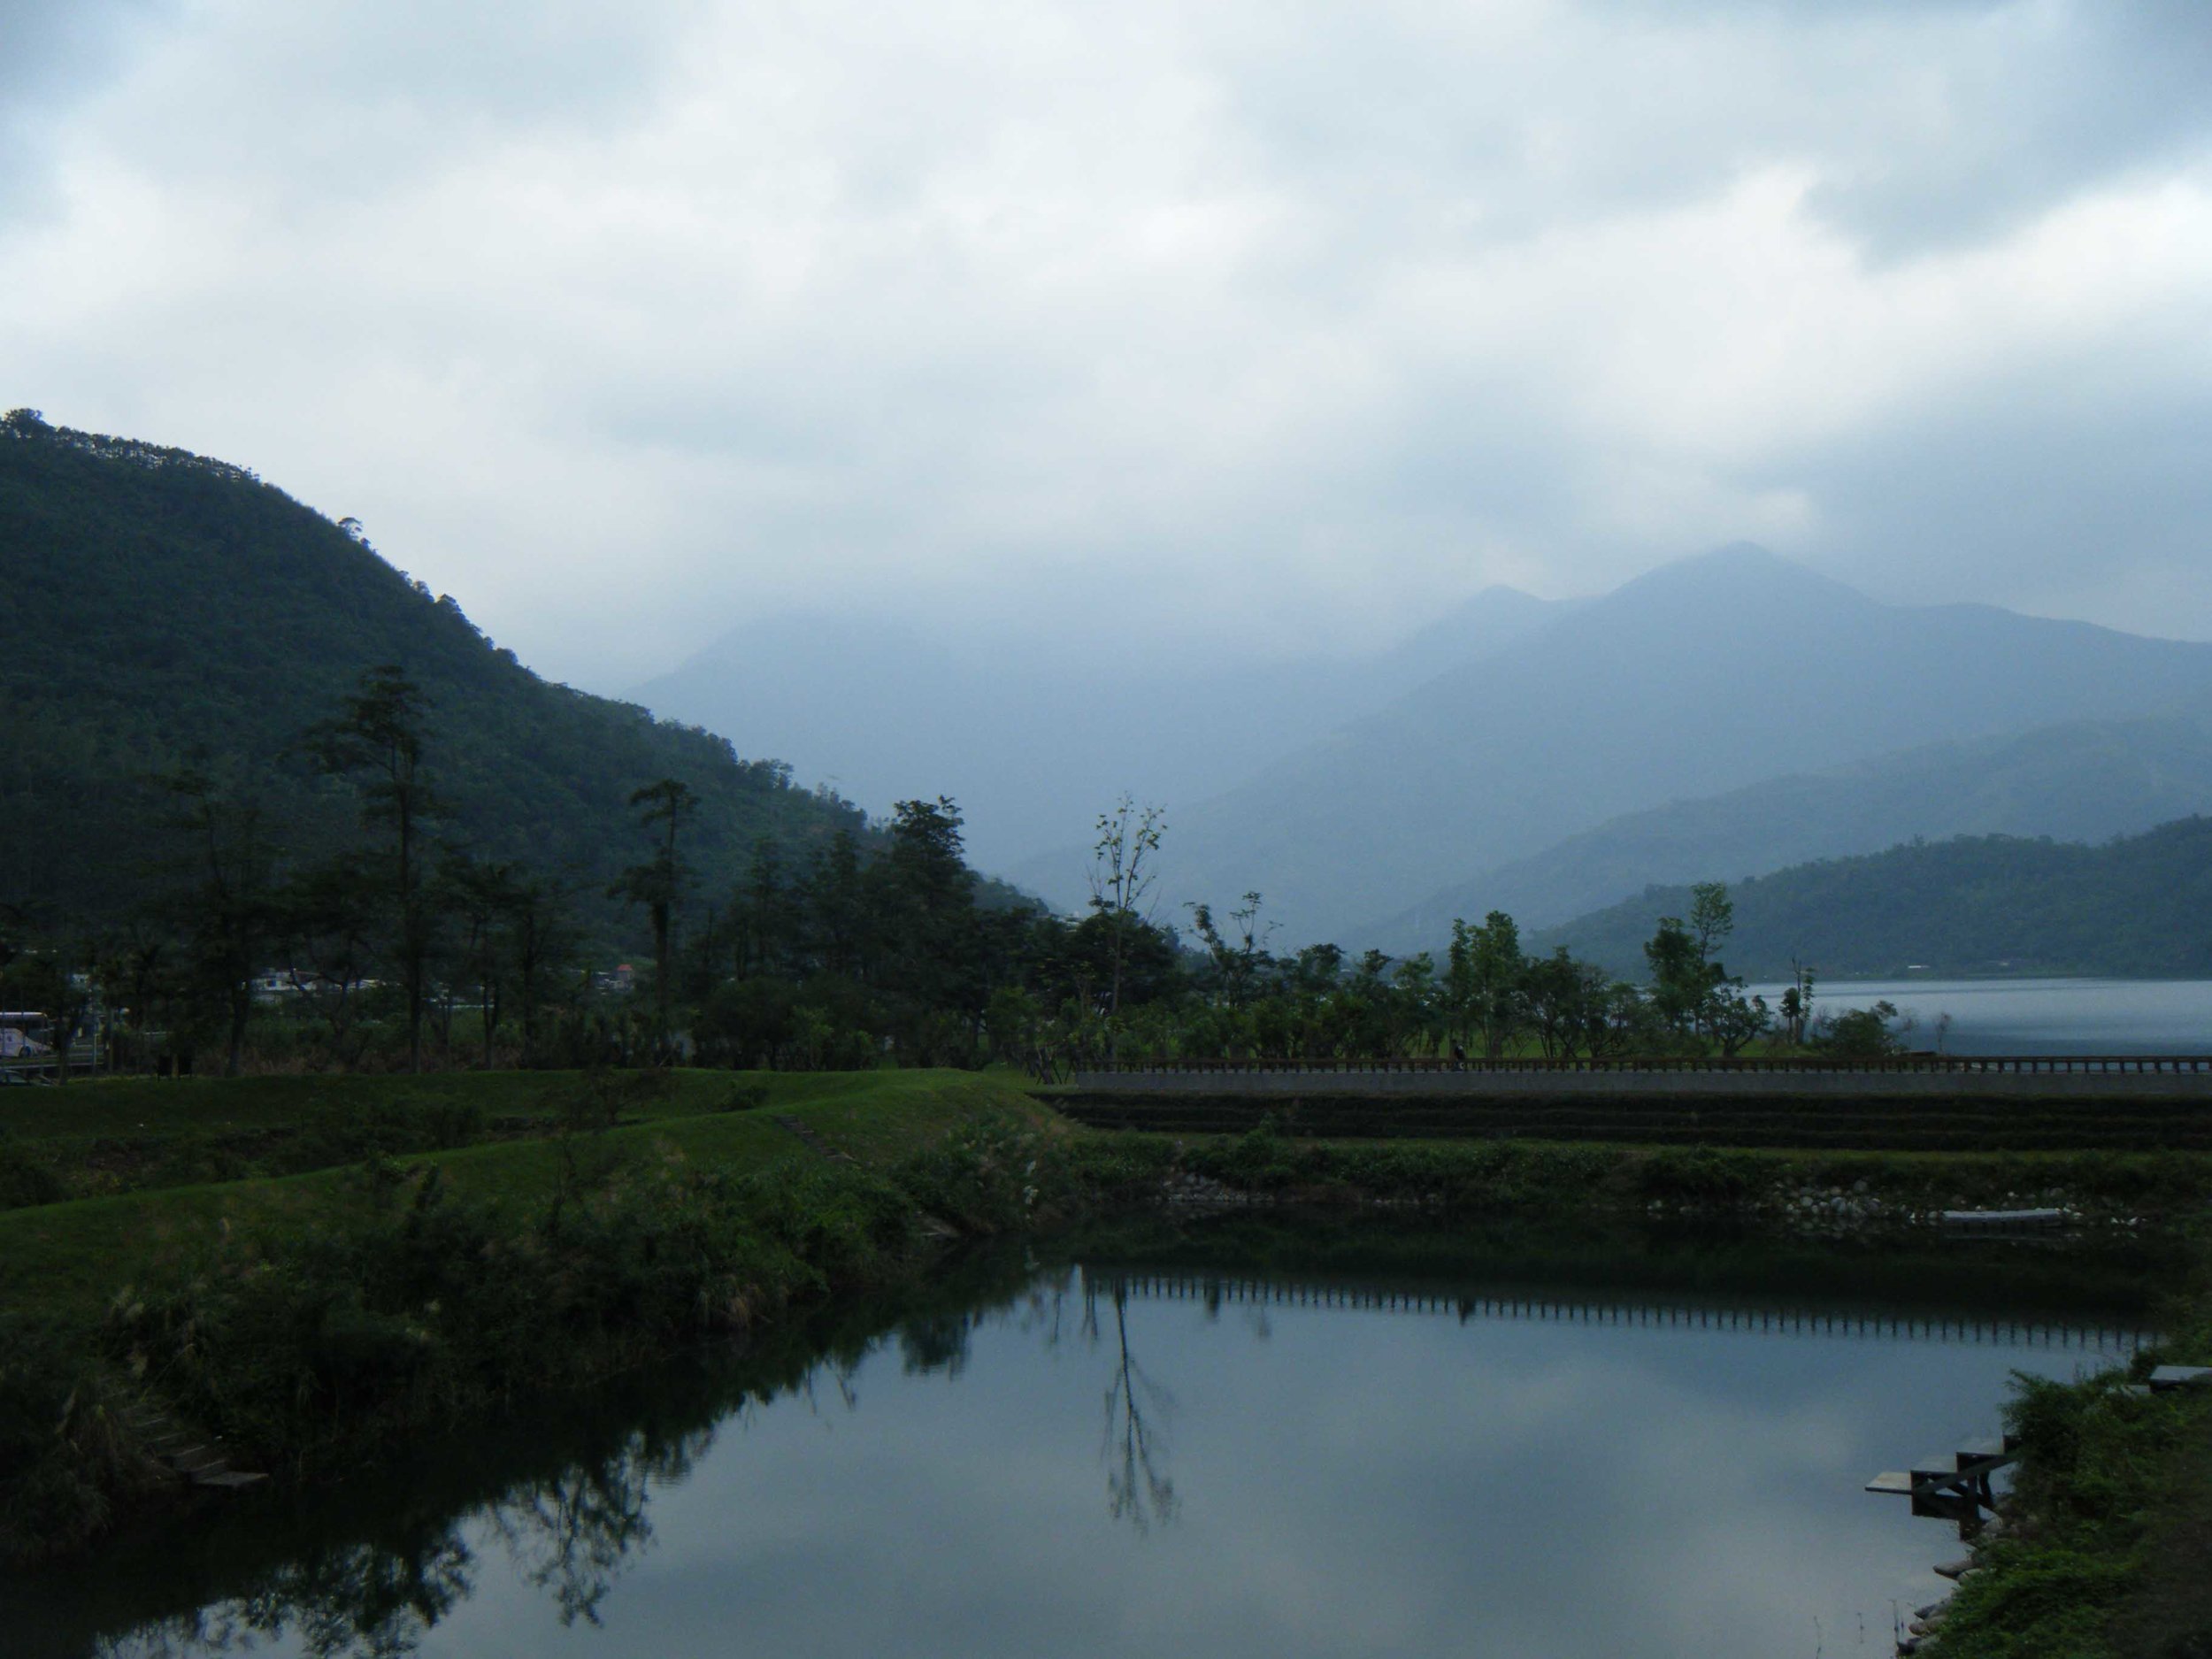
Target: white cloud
622 325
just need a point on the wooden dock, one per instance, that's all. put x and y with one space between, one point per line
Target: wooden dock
1954 1485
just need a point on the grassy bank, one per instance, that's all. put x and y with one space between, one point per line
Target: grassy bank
1787 1190
371 1572
99 1140
307 1320
65 1259
2106 1546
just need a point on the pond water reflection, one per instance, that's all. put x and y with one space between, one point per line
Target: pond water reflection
1227 1442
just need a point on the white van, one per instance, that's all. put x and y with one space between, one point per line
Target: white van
23 1032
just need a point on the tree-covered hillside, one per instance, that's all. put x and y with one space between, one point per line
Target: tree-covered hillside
158 605
2137 907
2083 780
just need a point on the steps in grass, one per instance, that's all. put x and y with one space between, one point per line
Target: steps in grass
813 1142
200 1460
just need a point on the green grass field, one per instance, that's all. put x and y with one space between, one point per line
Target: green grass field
60 1259
133 1169
95 1139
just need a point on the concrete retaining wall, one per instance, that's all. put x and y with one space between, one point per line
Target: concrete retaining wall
1715 1084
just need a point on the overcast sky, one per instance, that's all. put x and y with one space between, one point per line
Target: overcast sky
1260 324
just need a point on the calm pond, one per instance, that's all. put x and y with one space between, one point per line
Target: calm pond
1248 1437
2036 1016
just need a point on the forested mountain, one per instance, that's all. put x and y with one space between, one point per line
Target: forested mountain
1036 737
1702 677
2082 782
2137 907
160 606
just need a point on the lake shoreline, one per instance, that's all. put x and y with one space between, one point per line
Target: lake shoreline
314 1351
2031 1013
260 1553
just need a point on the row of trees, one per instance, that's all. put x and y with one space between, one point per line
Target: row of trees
405 948
1233 996
383 942
776 979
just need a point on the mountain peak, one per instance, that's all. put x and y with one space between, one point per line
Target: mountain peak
1740 558
1738 573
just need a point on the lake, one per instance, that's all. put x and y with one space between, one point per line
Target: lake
1242 1440
2036 1016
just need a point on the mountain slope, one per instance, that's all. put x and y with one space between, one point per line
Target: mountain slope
1033 741
1703 677
2084 781
161 603
1979 905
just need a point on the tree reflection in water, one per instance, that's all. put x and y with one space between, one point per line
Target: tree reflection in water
372 1570
570 1534
356 1601
372 1575
935 1342
1135 1448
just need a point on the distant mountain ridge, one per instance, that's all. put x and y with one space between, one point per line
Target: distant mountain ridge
2082 782
1725 715
1993 905
1703 677
1034 742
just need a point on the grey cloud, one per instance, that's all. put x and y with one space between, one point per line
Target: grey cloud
564 63
2052 493
1239 327
49 51
1932 126
50 55
2121 88
320 113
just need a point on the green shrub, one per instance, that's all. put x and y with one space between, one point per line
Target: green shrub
744 1097
1263 1156
989 1176
438 1307
26 1179
453 1123
2038 1603
1701 1176
65 1455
